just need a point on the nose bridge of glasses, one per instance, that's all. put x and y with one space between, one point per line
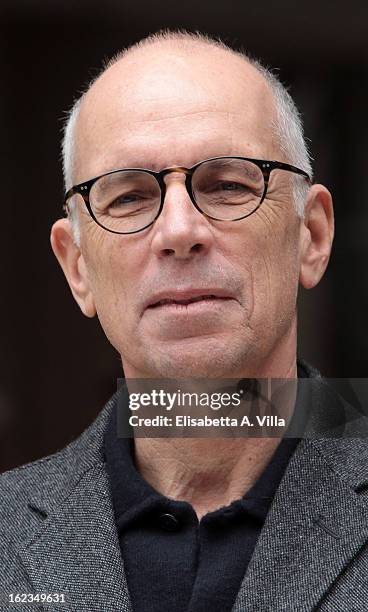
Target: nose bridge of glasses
178 180
180 169
174 170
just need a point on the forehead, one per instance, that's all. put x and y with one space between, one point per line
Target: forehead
162 106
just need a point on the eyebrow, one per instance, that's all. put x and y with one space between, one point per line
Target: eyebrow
134 162
151 164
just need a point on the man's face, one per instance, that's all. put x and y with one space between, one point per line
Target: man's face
160 108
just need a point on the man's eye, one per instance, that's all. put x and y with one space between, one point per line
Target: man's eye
123 200
231 186
226 186
221 186
127 204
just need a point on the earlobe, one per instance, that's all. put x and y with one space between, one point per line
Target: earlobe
72 262
316 236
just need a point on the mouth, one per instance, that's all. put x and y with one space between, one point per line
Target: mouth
184 299
185 302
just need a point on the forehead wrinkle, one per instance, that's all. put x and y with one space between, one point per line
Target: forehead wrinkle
137 120
176 116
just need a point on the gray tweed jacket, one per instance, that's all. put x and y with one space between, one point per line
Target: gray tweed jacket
57 532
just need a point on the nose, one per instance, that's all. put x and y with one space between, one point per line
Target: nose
181 231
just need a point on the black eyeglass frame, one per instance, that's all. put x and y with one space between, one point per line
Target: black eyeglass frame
266 166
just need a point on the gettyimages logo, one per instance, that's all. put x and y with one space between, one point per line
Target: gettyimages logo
205 408
310 407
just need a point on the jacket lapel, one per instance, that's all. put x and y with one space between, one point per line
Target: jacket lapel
316 525
76 549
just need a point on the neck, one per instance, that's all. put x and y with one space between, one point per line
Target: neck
210 472
206 472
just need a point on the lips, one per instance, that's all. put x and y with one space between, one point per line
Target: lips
199 298
188 296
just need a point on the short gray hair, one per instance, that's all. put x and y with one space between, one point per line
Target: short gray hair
288 127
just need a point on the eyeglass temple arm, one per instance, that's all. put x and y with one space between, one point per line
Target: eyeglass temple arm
290 168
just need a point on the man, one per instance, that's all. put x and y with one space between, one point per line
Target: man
189 242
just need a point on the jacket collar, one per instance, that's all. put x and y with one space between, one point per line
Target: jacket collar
317 523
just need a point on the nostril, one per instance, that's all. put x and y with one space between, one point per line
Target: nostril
197 247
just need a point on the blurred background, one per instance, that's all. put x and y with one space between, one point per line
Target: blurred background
56 367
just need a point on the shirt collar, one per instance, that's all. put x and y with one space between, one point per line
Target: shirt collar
134 498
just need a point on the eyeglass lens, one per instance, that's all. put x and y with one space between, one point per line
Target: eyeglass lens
224 189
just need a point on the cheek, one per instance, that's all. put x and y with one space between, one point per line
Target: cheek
280 273
268 255
113 270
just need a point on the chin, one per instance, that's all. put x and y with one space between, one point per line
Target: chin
206 359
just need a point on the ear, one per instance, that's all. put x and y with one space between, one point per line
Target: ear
316 236
72 262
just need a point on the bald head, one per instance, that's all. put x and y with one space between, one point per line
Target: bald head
149 97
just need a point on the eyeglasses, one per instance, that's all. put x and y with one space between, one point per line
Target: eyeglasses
221 188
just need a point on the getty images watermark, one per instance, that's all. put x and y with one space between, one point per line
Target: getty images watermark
171 401
242 408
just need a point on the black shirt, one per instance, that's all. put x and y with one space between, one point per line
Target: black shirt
173 562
